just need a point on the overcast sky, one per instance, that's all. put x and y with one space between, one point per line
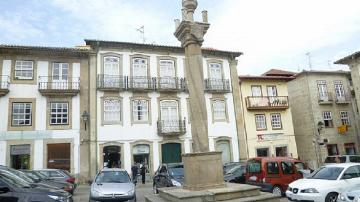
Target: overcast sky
271 34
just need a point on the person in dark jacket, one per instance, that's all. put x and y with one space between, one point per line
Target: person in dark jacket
134 172
143 172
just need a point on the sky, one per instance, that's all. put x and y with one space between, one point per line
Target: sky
285 34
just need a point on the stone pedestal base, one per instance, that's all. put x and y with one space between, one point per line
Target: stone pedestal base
229 193
203 171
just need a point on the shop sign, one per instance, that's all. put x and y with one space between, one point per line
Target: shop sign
270 136
19 149
141 149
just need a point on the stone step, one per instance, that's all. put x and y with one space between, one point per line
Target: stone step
231 192
262 197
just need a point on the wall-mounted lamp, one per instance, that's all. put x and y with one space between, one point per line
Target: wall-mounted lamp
85 116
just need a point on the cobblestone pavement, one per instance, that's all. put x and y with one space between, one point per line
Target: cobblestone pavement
82 193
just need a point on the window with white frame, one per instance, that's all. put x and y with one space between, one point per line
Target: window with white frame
140 110
111 65
59 113
24 69
276 121
219 110
112 110
260 121
21 114
328 119
344 116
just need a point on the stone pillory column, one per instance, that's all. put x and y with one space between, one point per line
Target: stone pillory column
203 169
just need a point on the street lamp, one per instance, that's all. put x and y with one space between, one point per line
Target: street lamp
85 116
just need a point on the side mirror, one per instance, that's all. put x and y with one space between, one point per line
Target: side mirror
4 190
90 182
346 176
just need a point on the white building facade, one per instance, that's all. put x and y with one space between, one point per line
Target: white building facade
140 102
40 107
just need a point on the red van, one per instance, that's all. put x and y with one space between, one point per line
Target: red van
272 174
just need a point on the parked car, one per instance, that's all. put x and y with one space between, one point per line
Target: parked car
350 195
326 183
59 175
112 184
228 166
13 188
41 178
23 176
342 159
272 174
236 174
168 175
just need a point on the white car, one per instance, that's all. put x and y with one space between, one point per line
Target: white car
326 183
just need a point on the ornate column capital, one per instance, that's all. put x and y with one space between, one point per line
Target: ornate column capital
191 32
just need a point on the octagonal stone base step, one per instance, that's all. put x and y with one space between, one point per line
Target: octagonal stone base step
230 193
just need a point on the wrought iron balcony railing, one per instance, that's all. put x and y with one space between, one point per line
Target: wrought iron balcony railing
57 86
170 84
111 82
325 98
217 85
267 102
171 127
141 83
343 99
4 84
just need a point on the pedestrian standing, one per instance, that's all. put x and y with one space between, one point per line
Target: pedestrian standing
134 172
143 172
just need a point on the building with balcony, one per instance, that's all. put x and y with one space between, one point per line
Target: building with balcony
43 93
267 115
323 97
139 104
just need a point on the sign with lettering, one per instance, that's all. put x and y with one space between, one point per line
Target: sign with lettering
19 149
141 149
269 137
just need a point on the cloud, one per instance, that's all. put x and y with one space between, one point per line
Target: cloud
280 32
16 29
272 34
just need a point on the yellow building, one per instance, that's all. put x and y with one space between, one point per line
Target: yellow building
267 116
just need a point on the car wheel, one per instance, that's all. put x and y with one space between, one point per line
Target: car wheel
277 190
155 190
331 197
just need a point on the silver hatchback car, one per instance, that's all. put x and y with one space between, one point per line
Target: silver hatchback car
112 184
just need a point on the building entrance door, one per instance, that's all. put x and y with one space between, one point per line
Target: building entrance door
112 156
171 153
224 147
58 156
20 156
141 155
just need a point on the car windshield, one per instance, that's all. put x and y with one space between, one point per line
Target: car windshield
66 172
300 166
335 159
234 169
32 175
14 180
112 177
327 173
40 175
177 171
23 176
254 166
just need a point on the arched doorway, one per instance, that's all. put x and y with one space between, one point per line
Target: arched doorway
224 147
171 152
112 156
